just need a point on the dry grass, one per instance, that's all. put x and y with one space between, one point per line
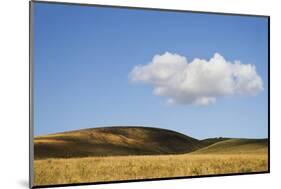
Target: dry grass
96 169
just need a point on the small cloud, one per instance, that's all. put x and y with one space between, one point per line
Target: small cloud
199 82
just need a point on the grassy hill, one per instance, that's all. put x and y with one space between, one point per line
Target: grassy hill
210 141
134 140
235 146
110 141
139 153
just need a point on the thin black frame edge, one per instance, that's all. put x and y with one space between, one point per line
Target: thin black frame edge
268 67
148 8
31 151
31 158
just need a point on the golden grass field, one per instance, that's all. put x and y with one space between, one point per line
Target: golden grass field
97 169
130 153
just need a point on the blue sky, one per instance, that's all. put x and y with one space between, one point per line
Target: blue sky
83 56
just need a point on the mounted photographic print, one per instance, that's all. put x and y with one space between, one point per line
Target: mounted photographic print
120 94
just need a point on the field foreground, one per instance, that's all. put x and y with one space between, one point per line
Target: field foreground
98 169
132 152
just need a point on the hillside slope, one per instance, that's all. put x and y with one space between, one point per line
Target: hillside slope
230 146
110 141
210 141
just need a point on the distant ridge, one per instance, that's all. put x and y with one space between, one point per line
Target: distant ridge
112 141
226 146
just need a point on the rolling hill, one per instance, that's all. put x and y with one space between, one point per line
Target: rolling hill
136 140
209 141
235 146
110 141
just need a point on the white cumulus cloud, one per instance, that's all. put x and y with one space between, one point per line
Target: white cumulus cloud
199 82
